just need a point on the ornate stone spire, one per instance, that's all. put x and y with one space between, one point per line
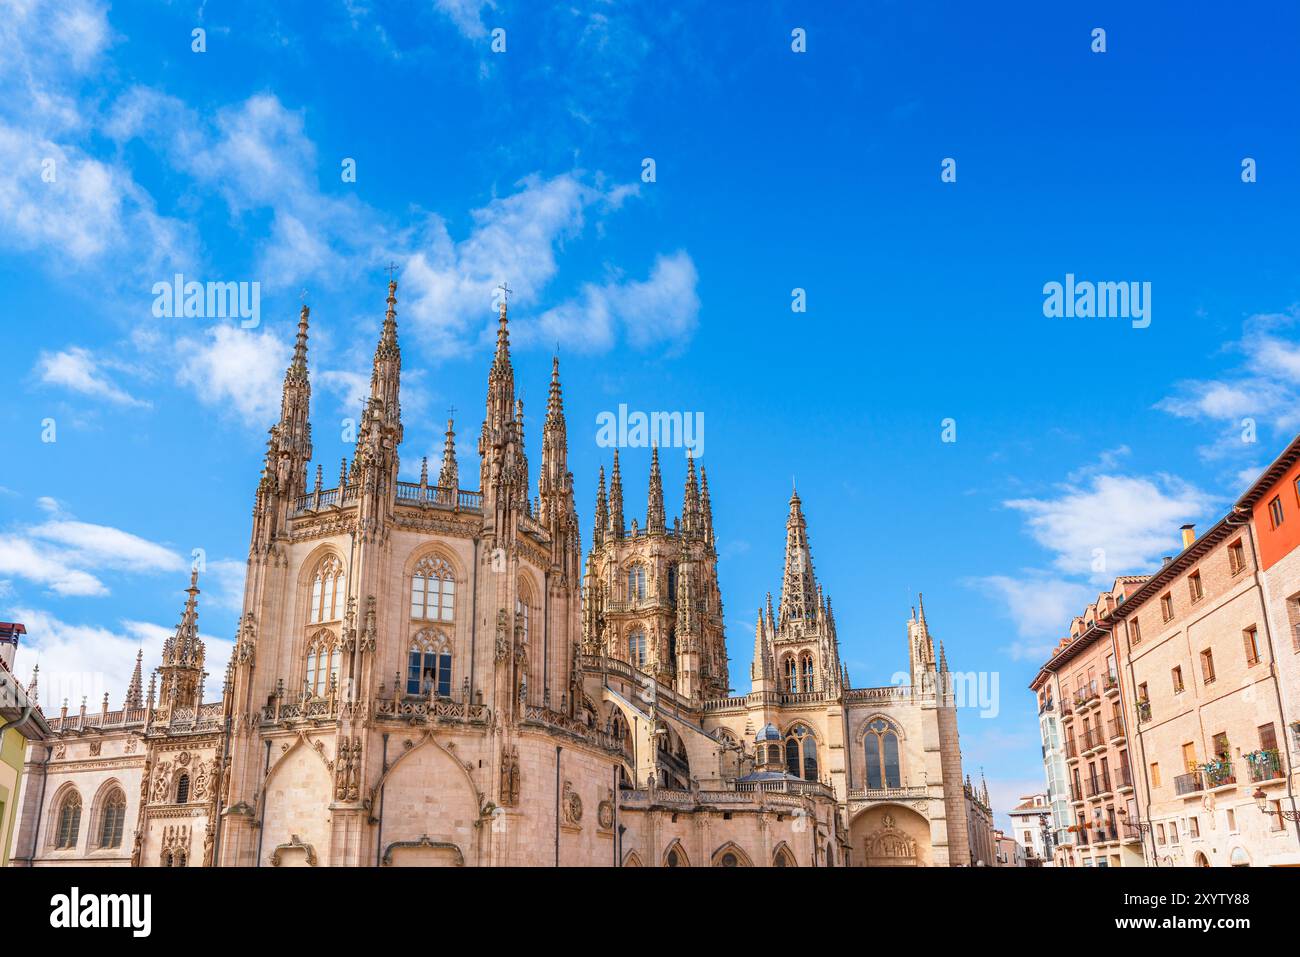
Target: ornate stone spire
503 466
288 451
602 512
654 518
761 668
183 655
449 474
135 691
386 372
799 585
554 485
616 500
692 518
33 686
706 507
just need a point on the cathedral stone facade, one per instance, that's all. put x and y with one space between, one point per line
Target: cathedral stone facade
429 675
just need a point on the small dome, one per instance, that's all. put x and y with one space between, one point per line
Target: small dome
769 733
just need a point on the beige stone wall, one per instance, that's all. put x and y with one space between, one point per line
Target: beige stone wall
93 777
1281 585
1212 822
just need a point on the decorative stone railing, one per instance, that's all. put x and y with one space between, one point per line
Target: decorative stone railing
408 493
206 717
807 788
425 709
310 709
438 496
318 499
897 692
557 721
788 793
887 794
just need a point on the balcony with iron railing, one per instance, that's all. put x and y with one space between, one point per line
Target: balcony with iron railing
1067 710
1219 774
1115 730
1265 765
1071 750
1097 786
1123 778
1076 794
1093 741
1086 696
1130 834
1110 685
1190 783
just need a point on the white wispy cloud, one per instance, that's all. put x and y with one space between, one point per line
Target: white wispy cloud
236 370
1040 607
664 308
84 661
67 557
81 371
1261 392
467 15
1112 524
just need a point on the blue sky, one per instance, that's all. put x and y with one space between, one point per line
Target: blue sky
775 170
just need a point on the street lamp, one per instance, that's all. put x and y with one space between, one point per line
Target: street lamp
1261 802
1143 827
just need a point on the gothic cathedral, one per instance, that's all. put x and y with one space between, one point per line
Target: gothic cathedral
425 674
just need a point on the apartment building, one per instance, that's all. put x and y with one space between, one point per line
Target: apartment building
1085 670
1031 827
1199 669
1057 798
1273 504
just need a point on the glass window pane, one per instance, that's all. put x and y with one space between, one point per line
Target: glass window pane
417 597
444 675
873 761
891 761
792 756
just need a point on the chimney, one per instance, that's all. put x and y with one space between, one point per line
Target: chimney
1189 535
9 632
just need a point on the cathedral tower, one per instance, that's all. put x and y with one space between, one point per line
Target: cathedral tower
651 594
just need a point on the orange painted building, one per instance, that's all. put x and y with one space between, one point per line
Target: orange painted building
1274 504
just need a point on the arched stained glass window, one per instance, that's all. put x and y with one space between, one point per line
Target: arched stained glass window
801 753
881 747
428 669
636 583
112 817
327 591
433 590
69 823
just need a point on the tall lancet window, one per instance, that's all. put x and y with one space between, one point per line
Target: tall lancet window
69 823
801 753
636 648
806 667
112 817
433 591
429 665
523 598
881 742
636 583
327 591
322 664
791 675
